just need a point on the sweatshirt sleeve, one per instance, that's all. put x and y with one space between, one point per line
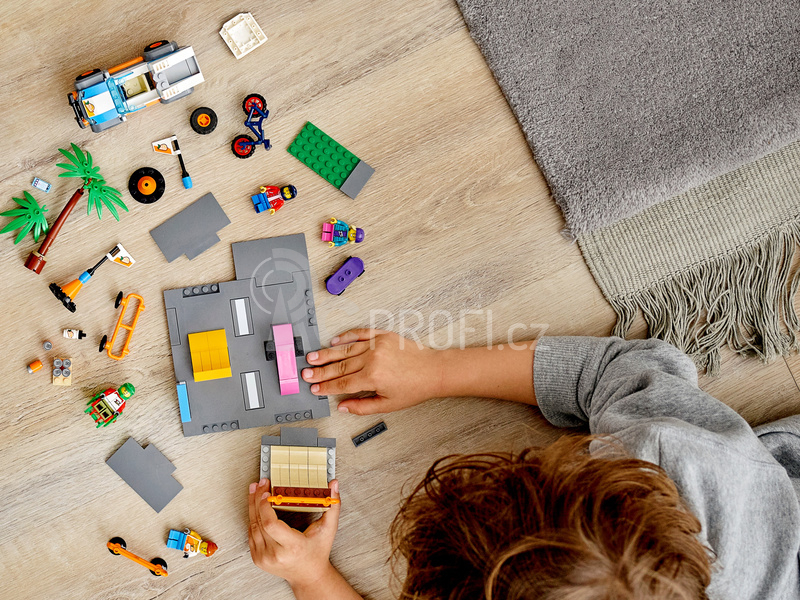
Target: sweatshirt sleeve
612 384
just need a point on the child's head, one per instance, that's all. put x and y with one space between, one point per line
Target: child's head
549 523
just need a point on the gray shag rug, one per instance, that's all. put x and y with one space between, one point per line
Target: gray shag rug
627 103
705 273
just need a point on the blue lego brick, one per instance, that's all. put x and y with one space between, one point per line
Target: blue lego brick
176 540
183 403
260 202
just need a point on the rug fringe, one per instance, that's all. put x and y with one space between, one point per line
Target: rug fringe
743 300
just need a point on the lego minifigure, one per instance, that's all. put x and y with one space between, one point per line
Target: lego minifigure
190 542
271 197
339 233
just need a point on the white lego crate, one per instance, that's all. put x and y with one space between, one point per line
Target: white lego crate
242 34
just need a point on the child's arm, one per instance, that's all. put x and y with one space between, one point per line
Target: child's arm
402 374
301 558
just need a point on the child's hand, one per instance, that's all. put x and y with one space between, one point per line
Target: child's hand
399 372
301 558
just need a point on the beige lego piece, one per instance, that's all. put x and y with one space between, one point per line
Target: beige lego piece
61 380
317 467
298 461
279 466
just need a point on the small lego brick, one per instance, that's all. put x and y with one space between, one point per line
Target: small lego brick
183 403
147 471
74 334
352 268
242 34
47 345
62 371
35 366
157 566
369 434
330 160
40 184
190 543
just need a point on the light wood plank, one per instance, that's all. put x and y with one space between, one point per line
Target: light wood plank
457 217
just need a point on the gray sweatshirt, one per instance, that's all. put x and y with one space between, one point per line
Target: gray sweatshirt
742 483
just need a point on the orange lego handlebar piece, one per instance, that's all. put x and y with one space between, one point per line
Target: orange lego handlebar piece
109 345
278 500
117 546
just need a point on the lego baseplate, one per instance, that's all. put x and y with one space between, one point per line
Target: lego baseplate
272 286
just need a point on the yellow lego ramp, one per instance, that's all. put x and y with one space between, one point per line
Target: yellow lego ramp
210 358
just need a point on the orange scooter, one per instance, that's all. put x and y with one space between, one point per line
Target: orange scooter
108 345
157 566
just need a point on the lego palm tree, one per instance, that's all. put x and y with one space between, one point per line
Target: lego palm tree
99 195
28 218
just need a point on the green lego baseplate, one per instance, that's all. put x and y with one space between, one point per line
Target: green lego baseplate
330 160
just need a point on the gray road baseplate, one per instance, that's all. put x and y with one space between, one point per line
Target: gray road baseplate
192 231
272 286
297 436
147 471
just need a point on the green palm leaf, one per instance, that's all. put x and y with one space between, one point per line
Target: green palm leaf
82 164
30 216
101 195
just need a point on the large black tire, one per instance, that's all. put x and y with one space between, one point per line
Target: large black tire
146 185
203 120
158 49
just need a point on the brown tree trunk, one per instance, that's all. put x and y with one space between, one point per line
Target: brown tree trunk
36 259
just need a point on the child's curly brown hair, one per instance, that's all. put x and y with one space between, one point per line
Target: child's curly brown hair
554 523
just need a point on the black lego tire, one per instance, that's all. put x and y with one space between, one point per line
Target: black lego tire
160 562
88 79
146 185
203 120
245 152
116 540
118 300
103 343
253 98
158 49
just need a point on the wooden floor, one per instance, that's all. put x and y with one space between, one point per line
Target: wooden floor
457 218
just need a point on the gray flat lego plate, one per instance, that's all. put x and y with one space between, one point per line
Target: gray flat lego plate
357 179
147 471
192 231
273 285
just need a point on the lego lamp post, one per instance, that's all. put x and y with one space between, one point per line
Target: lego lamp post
99 195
